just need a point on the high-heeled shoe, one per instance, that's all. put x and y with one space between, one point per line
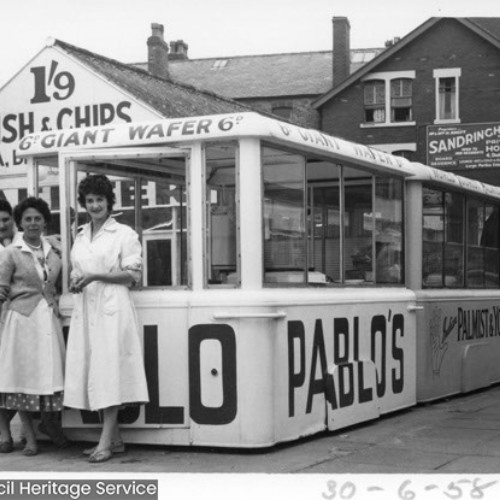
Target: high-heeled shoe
100 456
116 447
6 446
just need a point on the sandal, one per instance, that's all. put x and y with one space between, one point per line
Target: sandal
6 446
30 450
100 456
116 447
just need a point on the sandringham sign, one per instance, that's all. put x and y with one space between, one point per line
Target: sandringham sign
462 147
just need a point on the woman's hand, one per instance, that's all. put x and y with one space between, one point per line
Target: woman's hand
80 281
4 293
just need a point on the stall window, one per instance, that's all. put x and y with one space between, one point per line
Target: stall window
460 241
389 230
443 239
482 245
454 247
324 223
221 213
163 222
358 226
490 243
327 224
284 217
433 238
154 205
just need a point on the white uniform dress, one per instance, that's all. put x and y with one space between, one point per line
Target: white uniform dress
104 361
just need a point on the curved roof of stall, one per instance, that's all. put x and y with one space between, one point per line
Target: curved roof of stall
181 131
178 131
454 181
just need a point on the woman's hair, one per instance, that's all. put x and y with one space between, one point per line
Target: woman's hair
97 185
31 202
5 206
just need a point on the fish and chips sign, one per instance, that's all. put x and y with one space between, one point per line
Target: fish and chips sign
463 147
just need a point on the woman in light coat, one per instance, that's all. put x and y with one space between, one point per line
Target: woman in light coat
32 347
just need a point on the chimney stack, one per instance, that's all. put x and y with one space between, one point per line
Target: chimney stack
157 52
341 49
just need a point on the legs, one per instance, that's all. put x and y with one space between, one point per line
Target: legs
31 447
6 445
51 426
110 436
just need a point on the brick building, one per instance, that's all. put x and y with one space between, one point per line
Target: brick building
433 96
282 84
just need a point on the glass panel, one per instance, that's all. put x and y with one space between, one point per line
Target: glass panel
374 100
48 190
447 98
324 221
490 243
433 236
374 92
284 221
164 228
475 253
221 214
389 230
482 245
454 248
358 226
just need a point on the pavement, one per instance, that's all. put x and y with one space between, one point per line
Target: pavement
459 435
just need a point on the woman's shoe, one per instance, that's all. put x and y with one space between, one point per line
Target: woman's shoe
100 456
6 446
30 450
116 447
55 432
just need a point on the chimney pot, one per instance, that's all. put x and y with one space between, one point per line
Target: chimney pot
157 30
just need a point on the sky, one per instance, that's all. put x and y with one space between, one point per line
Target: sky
212 28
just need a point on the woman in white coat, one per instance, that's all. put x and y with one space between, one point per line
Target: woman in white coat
105 367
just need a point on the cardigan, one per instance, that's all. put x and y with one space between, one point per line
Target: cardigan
18 273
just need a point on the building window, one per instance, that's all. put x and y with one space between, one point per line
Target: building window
409 155
283 111
447 95
388 98
375 101
401 100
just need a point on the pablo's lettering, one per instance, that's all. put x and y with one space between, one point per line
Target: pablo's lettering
341 381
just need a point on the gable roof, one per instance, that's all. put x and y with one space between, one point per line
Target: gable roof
171 99
267 75
489 25
486 27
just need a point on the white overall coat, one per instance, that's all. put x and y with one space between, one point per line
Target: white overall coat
104 361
